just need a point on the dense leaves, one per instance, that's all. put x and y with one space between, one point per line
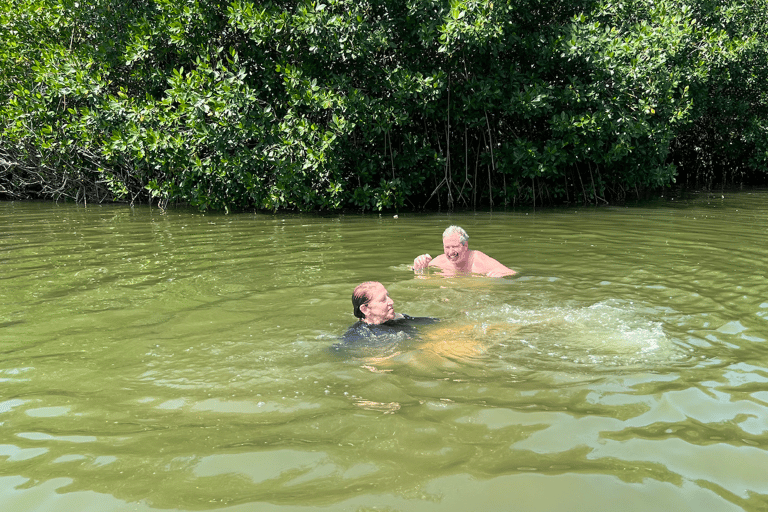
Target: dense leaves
379 104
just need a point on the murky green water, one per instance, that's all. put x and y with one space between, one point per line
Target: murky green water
181 361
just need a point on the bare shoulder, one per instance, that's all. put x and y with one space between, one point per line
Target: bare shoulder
483 260
484 264
439 261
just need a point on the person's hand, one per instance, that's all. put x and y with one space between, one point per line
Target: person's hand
421 262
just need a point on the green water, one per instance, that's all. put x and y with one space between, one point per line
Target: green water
181 361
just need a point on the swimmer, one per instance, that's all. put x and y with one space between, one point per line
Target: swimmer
374 307
458 258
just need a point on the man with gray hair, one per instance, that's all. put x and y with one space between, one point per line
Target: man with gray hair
457 258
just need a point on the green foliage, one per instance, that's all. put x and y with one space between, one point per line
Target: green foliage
379 104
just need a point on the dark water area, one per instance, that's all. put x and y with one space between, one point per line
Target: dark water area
181 361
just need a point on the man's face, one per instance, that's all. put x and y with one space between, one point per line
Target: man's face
380 308
454 250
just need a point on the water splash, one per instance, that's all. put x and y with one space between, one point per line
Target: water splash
608 333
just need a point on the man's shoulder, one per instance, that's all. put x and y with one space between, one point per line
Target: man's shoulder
480 255
357 330
482 264
439 261
487 260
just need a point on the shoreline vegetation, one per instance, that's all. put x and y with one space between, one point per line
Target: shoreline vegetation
380 105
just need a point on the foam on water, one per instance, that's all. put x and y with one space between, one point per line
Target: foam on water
605 333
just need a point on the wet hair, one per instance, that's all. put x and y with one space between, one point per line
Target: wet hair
362 295
451 230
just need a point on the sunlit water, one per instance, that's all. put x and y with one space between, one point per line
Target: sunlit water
181 361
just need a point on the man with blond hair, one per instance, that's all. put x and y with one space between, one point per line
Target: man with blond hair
458 258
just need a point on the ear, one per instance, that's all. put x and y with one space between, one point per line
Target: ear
364 309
